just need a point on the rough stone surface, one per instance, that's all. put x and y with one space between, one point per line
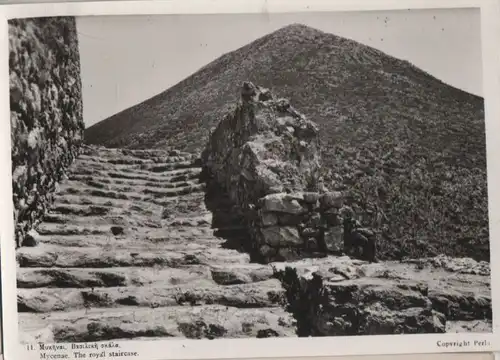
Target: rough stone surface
341 296
170 275
264 156
127 251
263 147
45 112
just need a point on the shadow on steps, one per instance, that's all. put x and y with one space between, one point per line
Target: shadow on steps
227 223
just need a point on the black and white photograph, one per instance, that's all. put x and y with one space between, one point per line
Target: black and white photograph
249 176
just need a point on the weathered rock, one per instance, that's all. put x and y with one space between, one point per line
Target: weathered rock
332 219
200 322
311 245
287 254
230 274
334 239
281 203
263 294
290 219
314 220
281 236
310 232
311 197
340 296
268 252
46 113
117 230
475 326
31 239
461 304
460 265
331 200
379 321
265 155
268 219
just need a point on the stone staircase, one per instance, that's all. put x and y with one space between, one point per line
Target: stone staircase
128 251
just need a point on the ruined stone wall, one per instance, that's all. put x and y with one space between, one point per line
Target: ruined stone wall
264 156
302 224
46 112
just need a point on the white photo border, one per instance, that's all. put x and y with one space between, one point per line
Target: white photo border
271 347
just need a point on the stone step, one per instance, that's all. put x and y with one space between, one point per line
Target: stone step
168 166
119 231
131 188
83 190
47 228
231 274
178 240
155 153
67 208
159 166
179 175
203 220
176 191
136 220
197 322
265 294
138 194
192 275
183 204
88 206
133 160
48 256
102 181
126 157
188 206
118 153
86 167
119 160
100 149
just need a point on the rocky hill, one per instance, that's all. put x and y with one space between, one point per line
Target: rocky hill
45 112
409 149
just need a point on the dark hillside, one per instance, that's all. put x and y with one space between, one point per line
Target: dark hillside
409 148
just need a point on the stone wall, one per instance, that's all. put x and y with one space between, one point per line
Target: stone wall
302 224
264 157
46 112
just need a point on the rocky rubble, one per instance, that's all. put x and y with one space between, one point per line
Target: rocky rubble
265 157
45 112
341 296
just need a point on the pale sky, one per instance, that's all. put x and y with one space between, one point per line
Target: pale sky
128 59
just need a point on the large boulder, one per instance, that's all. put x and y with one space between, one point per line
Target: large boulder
263 147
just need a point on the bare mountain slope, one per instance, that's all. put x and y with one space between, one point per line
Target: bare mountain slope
410 148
